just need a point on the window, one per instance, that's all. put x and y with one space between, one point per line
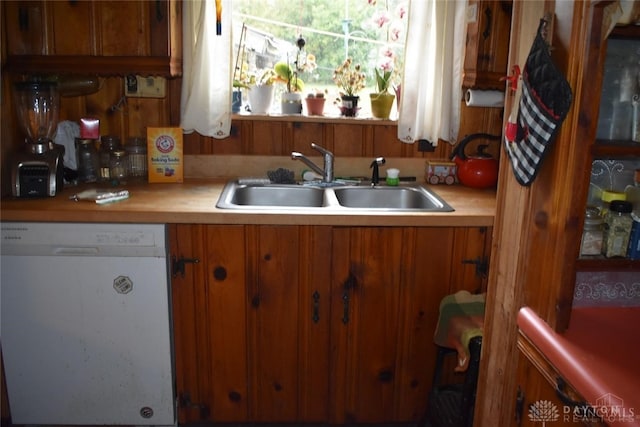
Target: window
431 89
371 32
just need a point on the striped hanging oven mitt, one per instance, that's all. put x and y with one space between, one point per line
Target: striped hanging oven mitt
544 101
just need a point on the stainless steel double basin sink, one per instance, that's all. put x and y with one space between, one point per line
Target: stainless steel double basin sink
264 197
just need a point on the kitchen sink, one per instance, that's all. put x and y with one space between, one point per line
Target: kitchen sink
337 197
271 195
394 198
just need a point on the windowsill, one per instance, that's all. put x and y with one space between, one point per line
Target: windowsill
315 119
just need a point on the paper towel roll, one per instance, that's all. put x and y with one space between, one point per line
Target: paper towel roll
484 98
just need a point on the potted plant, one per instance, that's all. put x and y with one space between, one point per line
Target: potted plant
382 101
261 91
240 82
236 95
350 81
315 103
291 102
392 26
292 99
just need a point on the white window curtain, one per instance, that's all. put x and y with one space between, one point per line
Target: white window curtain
207 69
434 56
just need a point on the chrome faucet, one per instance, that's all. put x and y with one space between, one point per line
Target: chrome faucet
375 175
327 172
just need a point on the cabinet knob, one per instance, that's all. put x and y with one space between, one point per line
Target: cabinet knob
220 273
385 376
255 301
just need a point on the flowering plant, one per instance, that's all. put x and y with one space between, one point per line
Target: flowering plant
393 29
262 78
290 74
349 78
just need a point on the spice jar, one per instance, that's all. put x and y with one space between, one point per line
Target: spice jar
607 197
137 157
108 144
592 233
118 165
87 159
617 228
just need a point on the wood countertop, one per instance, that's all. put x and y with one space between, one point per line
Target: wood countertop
597 355
194 202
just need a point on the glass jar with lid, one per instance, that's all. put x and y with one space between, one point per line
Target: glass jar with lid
118 165
136 149
593 232
618 223
87 159
108 144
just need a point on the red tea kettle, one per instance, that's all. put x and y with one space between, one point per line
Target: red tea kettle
479 170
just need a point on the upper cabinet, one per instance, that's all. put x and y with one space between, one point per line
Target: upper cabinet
487 46
95 37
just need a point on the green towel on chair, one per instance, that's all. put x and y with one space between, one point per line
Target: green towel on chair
461 318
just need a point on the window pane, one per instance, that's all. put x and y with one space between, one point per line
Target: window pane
365 30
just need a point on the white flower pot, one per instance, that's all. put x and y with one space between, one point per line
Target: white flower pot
260 98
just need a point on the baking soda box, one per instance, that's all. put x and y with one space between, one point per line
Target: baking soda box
166 160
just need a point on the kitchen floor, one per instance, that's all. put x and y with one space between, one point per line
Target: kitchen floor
6 423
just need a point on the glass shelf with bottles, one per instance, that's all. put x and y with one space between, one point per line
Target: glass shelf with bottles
611 180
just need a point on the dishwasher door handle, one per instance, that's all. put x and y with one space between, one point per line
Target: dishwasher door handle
75 250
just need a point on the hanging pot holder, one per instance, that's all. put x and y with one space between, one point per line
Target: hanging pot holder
545 98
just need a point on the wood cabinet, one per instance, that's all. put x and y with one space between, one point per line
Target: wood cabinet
487 45
538 228
101 37
544 396
313 323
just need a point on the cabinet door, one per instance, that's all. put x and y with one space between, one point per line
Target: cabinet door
487 47
124 27
102 37
288 293
386 290
25 27
209 314
367 268
71 28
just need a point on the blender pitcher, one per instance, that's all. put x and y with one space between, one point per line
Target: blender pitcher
37 105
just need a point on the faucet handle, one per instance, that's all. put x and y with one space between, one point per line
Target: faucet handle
321 149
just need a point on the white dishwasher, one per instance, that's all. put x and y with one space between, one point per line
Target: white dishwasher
85 324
